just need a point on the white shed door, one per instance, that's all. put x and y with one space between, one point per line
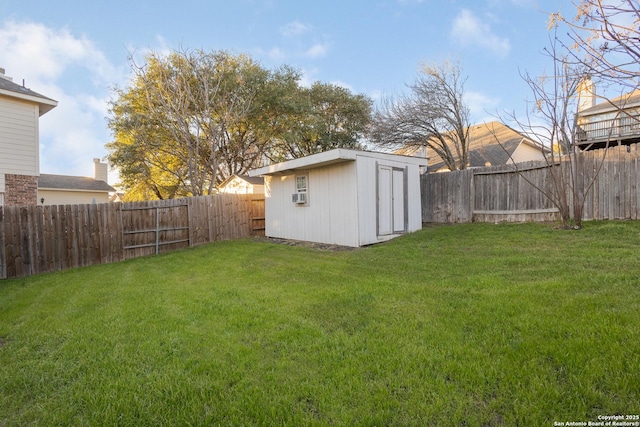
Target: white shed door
392 201
398 201
385 211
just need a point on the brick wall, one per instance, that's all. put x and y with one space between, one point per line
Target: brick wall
20 190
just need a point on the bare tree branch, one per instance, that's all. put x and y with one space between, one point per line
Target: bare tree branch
433 116
604 36
554 123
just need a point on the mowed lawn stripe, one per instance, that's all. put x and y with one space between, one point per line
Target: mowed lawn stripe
475 324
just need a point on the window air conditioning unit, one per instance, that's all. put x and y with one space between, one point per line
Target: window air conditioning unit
299 198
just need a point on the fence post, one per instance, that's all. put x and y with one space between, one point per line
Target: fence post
3 253
158 230
472 196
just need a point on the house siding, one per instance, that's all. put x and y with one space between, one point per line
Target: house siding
526 153
239 186
19 137
64 197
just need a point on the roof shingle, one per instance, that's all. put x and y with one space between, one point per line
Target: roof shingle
66 182
490 144
46 104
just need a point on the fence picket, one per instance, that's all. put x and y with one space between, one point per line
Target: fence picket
501 193
37 239
3 256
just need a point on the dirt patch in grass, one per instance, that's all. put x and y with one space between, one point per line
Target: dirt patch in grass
314 245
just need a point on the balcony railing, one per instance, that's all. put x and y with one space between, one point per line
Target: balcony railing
627 126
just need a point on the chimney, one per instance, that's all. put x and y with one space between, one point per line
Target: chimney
586 94
2 75
101 171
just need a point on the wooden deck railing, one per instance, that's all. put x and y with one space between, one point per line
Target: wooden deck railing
619 129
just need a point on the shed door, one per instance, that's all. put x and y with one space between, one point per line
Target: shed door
392 200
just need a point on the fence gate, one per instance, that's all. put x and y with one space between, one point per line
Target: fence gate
148 230
257 216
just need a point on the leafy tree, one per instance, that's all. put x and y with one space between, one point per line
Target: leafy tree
191 119
433 115
322 117
170 125
187 122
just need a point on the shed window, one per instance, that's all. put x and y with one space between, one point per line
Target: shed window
301 183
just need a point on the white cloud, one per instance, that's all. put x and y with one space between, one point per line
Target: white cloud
521 3
73 71
376 95
482 108
342 84
138 54
276 53
43 53
469 30
317 50
308 77
294 28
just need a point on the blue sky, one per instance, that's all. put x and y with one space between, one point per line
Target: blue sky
76 51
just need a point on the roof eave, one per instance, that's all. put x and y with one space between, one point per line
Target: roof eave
338 155
533 144
76 190
312 161
45 104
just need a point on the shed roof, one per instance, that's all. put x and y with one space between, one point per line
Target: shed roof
72 183
338 155
9 88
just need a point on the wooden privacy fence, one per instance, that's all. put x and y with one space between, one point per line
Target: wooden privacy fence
500 193
38 239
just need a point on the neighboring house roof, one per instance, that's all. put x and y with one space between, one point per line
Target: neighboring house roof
116 197
9 88
253 180
631 99
72 183
490 144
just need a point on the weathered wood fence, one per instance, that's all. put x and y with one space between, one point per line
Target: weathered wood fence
500 193
38 239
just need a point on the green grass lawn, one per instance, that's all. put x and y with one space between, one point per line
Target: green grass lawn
473 325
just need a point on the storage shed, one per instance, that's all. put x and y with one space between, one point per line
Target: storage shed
343 197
